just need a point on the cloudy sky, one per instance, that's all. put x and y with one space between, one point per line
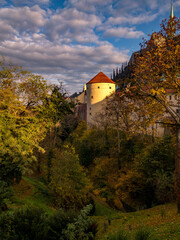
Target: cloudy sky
70 40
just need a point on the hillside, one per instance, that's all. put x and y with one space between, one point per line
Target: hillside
161 221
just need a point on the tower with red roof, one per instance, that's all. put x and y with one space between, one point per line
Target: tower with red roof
98 89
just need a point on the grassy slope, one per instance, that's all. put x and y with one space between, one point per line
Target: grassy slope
162 221
31 191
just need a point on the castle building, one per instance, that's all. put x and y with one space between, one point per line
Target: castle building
98 89
92 99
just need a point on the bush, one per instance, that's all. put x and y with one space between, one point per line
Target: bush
83 228
28 223
58 222
6 193
31 223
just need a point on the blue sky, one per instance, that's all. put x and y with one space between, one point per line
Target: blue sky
70 40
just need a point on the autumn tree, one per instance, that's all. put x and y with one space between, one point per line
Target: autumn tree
156 72
126 112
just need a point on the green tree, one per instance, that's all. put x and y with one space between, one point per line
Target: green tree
69 182
54 109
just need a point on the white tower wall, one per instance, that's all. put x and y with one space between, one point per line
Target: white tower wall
96 97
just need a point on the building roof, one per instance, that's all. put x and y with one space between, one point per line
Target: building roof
100 78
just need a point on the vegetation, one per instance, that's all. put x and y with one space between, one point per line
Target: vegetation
156 70
55 173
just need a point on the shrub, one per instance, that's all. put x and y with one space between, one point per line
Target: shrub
58 222
83 228
6 193
27 223
31 223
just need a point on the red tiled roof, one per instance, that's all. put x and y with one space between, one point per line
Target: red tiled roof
100 78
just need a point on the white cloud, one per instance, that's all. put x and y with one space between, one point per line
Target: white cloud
68 62
123 32
72 25
23 19
89 5
141 18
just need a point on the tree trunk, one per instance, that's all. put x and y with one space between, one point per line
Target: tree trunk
177 168
118 137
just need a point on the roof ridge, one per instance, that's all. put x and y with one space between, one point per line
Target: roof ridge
101 78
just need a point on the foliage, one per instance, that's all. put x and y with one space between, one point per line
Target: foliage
133 191
21 130
83 228
156 163
6 194
58 222
156 73
68 125
32 223
149 179
24 223
92 143
55 106
69 182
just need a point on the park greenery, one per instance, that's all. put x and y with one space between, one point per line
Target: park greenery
61 180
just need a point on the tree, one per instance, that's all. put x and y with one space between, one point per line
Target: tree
126 112
55 107
20 129
156 70
69 183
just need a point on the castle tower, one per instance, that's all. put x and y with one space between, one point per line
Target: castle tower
98 88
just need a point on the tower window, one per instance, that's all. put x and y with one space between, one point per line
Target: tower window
169 97
89 113
98 86
109 87
90 108
91 96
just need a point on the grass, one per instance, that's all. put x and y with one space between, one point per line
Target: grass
158 223
164 226
102 210
33 192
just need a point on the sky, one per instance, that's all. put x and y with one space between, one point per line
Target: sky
69 41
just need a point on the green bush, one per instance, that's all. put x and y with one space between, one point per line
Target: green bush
83 228
58 222
6 193
27 223
32 223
